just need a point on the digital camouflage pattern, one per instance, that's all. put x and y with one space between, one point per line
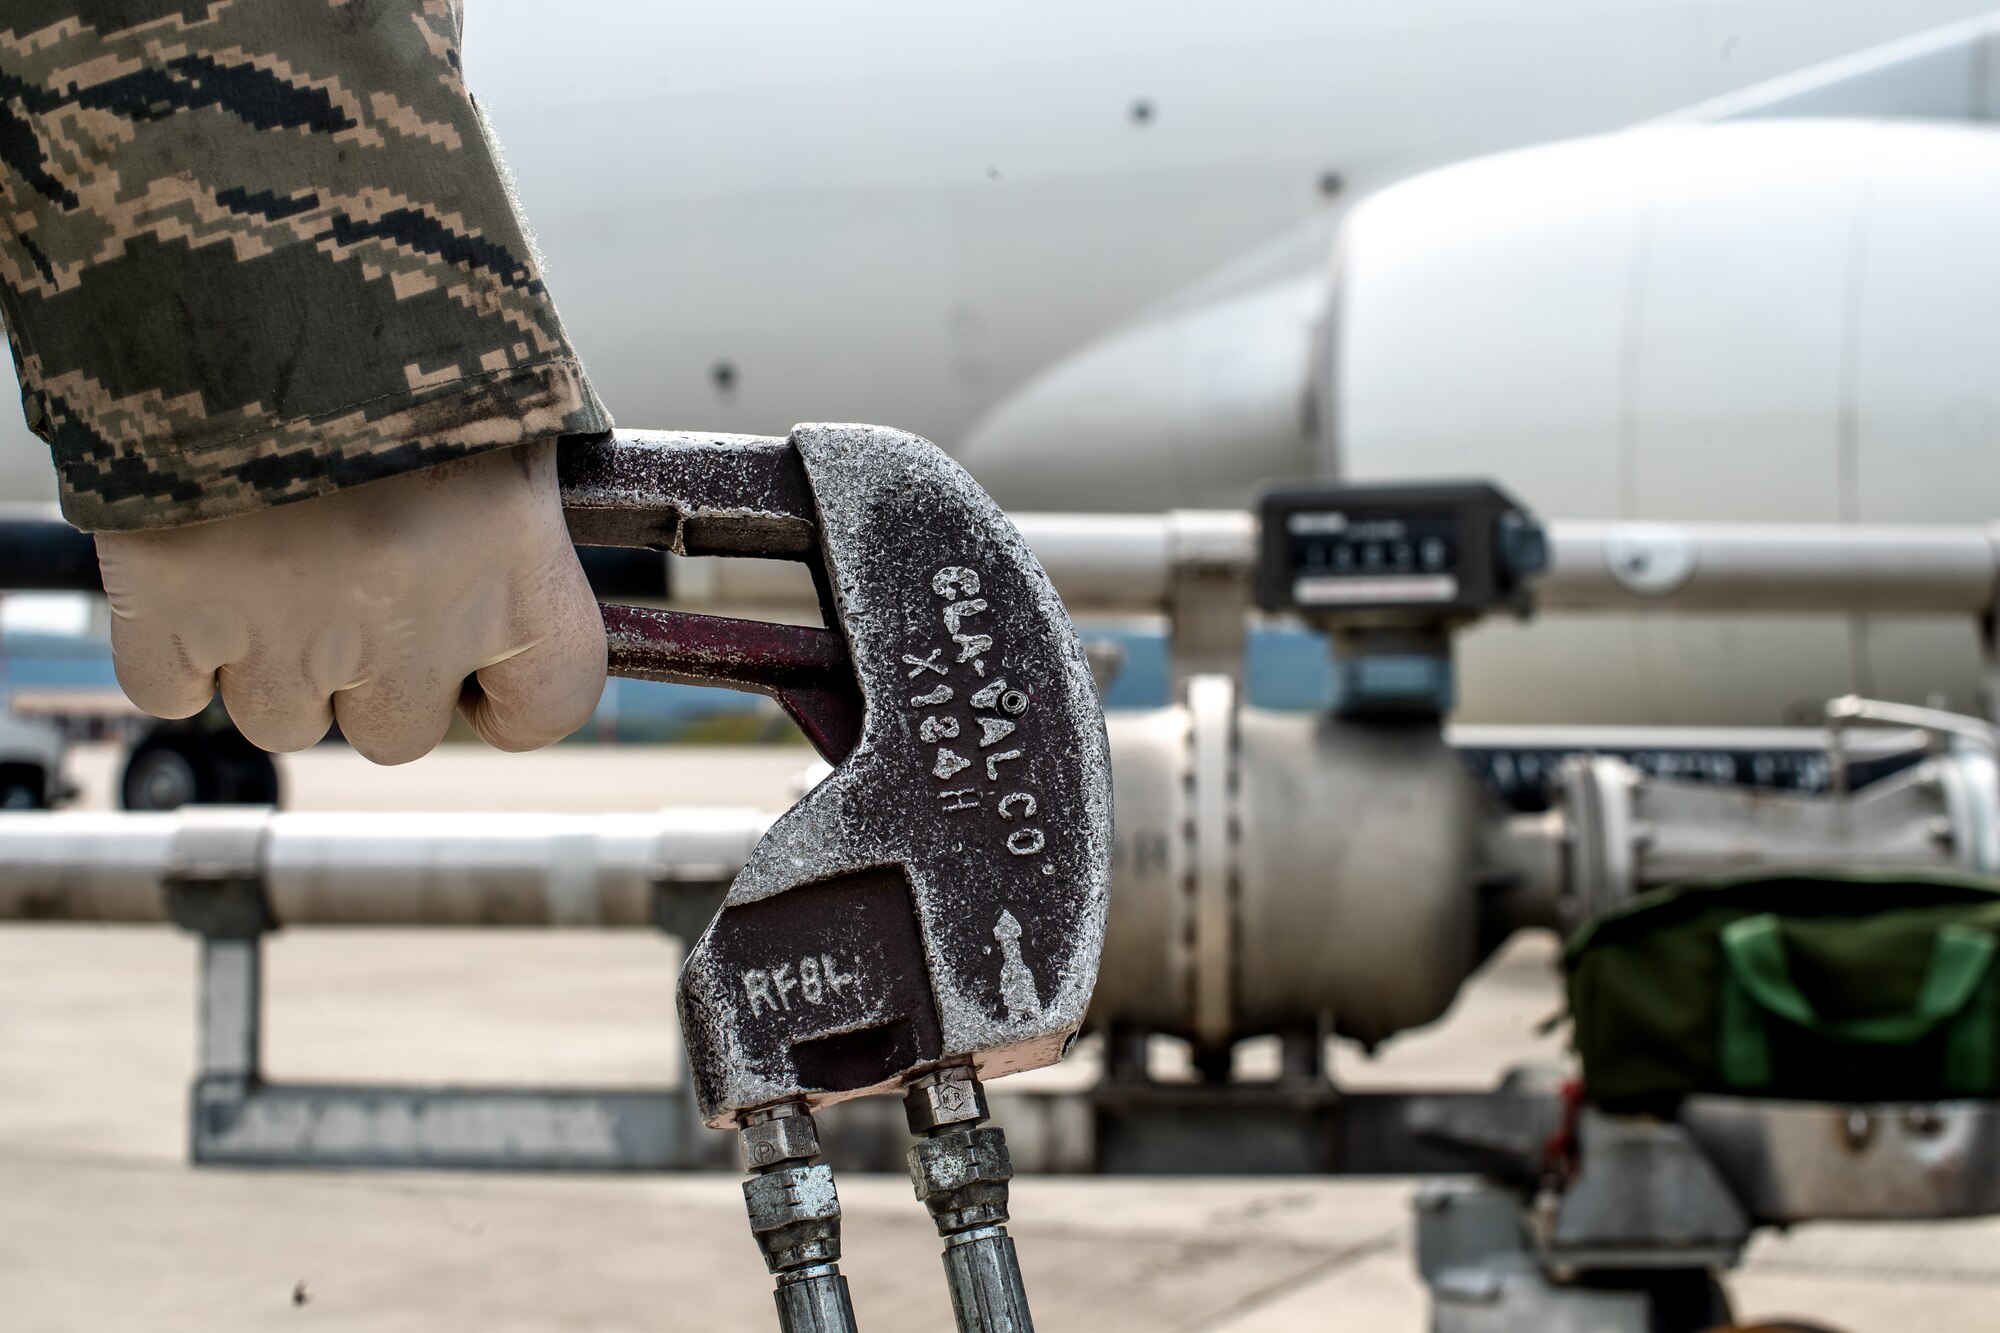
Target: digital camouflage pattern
253 251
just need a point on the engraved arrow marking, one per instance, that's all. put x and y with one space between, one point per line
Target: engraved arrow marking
1017 983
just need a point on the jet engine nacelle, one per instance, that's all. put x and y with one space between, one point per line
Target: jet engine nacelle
1770 320
1767 320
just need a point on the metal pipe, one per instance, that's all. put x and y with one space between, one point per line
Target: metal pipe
1899 570
387 869
1378 835
961 1171
1125 564
795 1216
85 867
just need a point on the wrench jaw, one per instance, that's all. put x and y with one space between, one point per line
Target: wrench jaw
713 495
687 493
974 810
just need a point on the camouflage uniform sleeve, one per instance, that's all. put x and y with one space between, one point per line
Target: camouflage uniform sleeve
253 251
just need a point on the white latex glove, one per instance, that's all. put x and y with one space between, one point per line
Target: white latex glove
377 605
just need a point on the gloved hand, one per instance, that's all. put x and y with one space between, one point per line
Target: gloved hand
385 605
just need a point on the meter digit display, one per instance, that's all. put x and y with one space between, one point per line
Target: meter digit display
1416 553
1339 558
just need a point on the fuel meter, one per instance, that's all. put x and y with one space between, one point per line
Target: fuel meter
1388 572
1405 553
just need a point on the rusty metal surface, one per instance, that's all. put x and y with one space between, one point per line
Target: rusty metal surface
688 493
693 494
938 900
806 670
940 897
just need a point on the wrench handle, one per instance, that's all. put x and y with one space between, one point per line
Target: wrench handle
806 670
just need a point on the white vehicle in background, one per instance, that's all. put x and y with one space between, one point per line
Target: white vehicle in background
57 685
31 763
199 760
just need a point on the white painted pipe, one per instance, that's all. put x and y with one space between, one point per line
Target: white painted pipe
1880 569
1126 563
386 869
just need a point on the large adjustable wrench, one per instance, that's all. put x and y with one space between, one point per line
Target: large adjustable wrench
931 913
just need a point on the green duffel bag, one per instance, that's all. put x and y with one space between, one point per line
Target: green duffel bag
1852 986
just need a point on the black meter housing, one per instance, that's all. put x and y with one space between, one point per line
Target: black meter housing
1408 553
1389 573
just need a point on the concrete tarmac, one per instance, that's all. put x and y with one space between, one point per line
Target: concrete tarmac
104 1227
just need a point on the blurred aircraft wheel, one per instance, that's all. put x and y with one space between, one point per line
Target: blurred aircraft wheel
168 771
249 779
20 790
202 761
